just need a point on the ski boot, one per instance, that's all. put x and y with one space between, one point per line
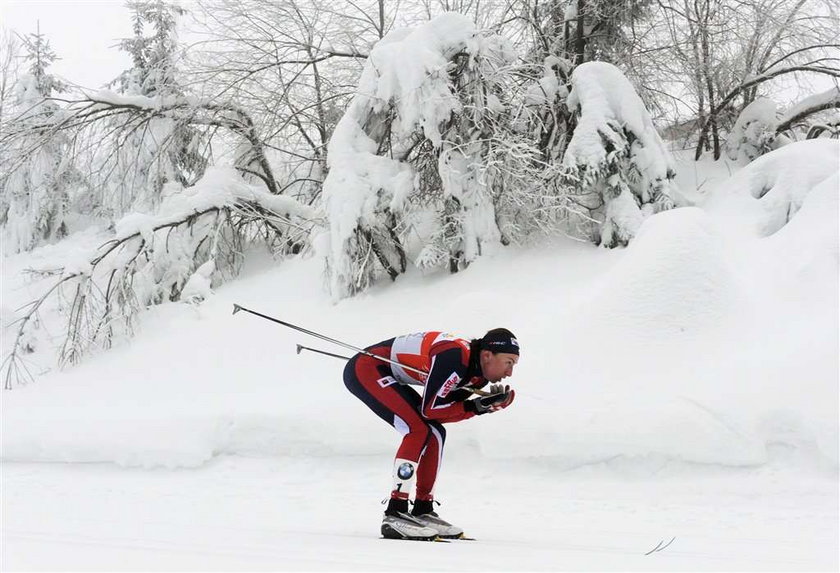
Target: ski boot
424 513
397 523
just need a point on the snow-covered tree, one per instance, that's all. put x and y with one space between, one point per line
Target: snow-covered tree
762 127
192 243
295 74
726 54
543 113
622 169
416 136
580 30
38 173
142 157
10 47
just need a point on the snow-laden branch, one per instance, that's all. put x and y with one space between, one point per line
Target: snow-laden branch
194 239
138 110
752 82
813 104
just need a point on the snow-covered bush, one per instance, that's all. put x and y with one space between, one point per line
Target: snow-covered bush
754 132
416 137
621 168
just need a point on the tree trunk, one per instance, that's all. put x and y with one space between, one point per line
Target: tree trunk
580 39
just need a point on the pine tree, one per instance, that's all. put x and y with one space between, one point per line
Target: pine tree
616 160
417 143
38 175
146 154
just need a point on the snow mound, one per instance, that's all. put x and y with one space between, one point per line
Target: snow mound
809 245
674 278
770 190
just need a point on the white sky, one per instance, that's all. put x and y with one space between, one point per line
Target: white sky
83 33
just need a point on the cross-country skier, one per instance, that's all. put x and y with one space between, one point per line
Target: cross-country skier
454 366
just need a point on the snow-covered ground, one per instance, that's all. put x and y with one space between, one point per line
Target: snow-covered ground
240 513
685 387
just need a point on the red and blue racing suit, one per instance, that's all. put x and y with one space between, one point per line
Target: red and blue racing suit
386 388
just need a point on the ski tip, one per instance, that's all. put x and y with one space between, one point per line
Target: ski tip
460 537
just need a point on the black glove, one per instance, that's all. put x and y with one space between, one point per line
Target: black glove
492 403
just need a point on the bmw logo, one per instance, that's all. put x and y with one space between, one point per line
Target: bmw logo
405 471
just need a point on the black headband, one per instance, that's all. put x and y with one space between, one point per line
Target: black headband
497 342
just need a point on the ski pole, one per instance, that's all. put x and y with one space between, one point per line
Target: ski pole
302 347
237 308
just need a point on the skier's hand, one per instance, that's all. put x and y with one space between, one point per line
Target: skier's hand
492 403
495 389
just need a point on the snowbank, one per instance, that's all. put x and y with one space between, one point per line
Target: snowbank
198 382
768 192
698 344
674 279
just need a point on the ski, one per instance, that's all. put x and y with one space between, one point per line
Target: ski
436 539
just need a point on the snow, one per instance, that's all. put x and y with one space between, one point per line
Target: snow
197 287
110 99
406 66
685 387
772 188
548 87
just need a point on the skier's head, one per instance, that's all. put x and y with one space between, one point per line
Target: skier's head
499 354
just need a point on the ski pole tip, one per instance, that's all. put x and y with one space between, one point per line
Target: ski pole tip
236 308
299 348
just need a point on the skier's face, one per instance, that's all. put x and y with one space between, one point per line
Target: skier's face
496 367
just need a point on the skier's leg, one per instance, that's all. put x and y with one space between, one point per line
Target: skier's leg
430 461
398 405
424 510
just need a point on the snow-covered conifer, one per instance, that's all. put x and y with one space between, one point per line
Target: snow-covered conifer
143 155
616 159
415 138
38 175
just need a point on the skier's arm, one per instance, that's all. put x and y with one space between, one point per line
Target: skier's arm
441 400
